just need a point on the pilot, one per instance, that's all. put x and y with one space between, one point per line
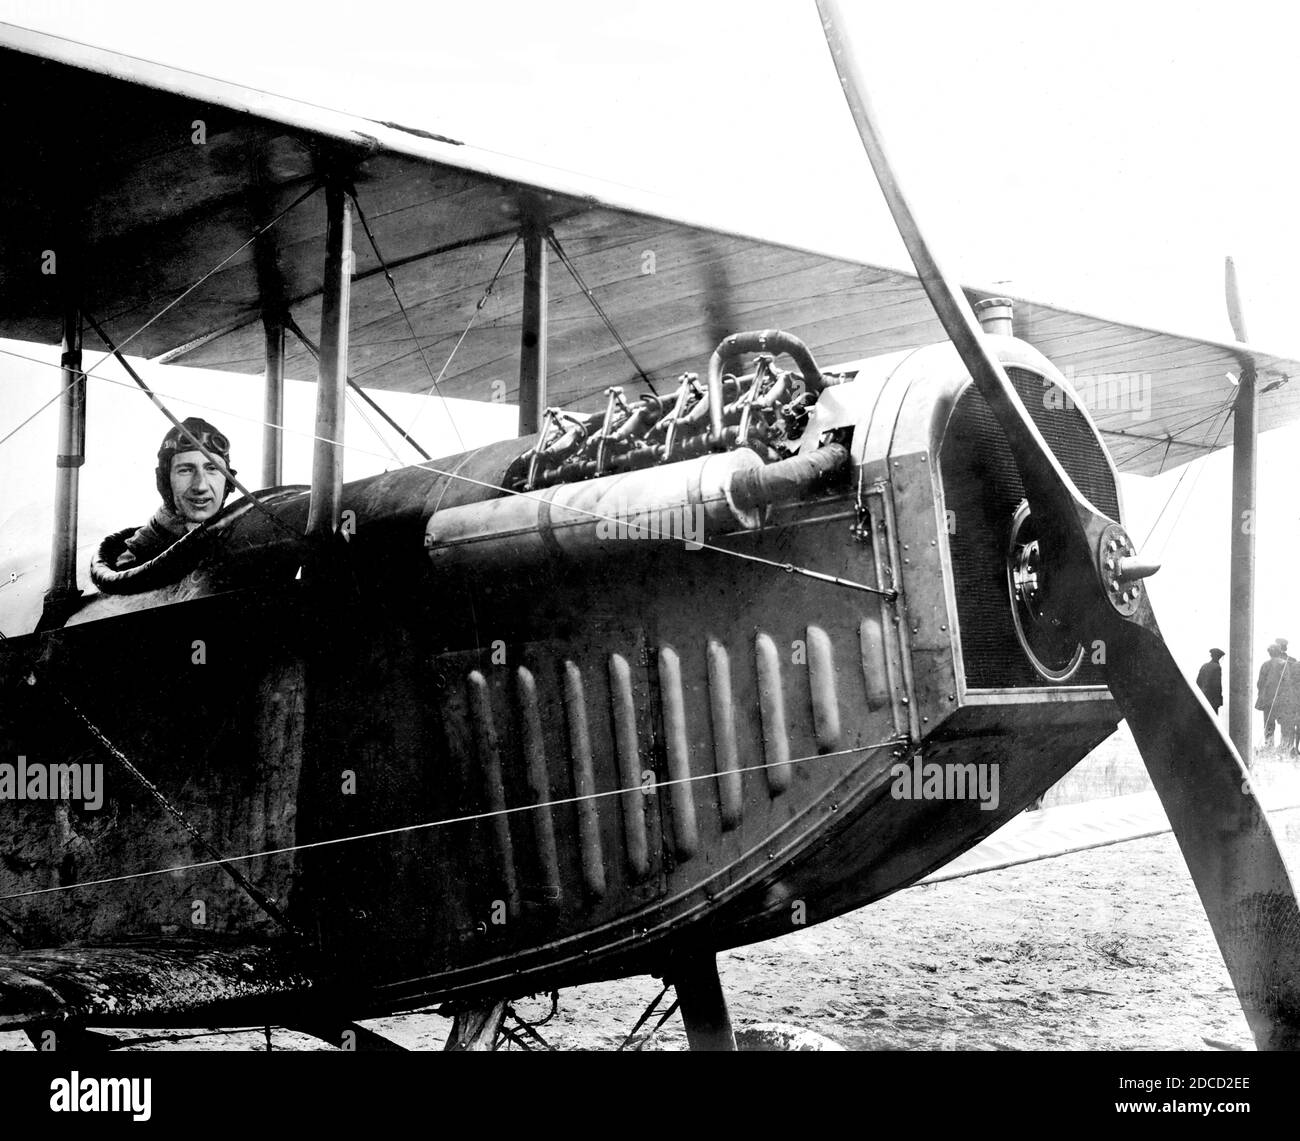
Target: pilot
1209 680
193 489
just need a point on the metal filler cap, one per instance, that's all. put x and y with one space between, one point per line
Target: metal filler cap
995 314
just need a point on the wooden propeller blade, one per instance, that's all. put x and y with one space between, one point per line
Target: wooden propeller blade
1235 315
1224 836
1220 826
1053 491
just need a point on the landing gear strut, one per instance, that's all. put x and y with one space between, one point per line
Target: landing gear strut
475 1029
704 1007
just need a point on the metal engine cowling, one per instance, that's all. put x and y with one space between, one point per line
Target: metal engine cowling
923 435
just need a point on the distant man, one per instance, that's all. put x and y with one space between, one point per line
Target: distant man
1267 687
1288 703
1209 680
193 489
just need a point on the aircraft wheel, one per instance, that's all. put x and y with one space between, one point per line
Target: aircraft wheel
766 1036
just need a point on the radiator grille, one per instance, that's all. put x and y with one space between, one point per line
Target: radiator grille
982 489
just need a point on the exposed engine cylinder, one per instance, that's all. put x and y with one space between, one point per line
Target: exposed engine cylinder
765 409
708 462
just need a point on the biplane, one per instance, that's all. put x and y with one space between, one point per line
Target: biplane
602 699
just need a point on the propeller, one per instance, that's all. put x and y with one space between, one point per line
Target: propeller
716 290
1234 300
719 300
1237 320
1205 789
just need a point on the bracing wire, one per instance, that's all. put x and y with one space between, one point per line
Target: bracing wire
788 568
392 285
314 350
171 304
114 351
215 269
426 825
70 385
600 311
482 301
1200 467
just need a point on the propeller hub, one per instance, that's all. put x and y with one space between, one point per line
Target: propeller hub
1052 651
1121 570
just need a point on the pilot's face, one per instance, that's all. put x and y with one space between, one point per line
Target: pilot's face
198 486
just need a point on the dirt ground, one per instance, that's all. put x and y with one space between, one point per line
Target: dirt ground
1106 949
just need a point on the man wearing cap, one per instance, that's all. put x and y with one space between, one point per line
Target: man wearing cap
1287 706
192 486
1267 687
1209 680
1288 702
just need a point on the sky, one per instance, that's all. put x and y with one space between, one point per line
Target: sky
1104 157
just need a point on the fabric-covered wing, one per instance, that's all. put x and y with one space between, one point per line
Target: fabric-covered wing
157 230
147 983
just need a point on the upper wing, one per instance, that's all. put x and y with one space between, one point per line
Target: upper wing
150 183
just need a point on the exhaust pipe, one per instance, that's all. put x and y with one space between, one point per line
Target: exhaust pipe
685 502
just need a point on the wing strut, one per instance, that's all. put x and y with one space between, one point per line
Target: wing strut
704 1006
273 408
1241 615
63 591
532 342
323 515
